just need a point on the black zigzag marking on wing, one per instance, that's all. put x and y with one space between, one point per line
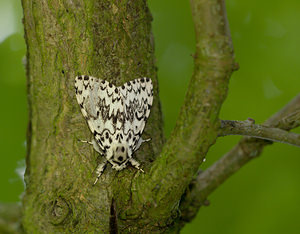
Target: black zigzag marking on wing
114 113
138 100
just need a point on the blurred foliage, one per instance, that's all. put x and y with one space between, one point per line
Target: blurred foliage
263 197
13 117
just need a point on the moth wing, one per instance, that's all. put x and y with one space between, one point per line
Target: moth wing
100 104
138 97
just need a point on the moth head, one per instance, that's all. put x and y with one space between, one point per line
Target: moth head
119 154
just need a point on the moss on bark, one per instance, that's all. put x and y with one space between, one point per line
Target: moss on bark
111 40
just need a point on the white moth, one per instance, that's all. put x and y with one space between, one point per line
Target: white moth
116 116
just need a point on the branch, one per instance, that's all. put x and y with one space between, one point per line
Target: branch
197 126
248 128
246 150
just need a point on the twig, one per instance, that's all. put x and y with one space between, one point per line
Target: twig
247 149
248 128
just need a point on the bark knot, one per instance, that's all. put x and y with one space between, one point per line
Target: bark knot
59 210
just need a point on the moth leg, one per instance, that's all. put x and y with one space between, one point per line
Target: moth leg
91 143
136 164
95 145
140 142
99 170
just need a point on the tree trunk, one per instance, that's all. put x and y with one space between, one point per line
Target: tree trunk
111 40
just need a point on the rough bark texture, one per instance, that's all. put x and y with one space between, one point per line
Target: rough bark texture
111 40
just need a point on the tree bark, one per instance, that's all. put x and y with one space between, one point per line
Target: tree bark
111 40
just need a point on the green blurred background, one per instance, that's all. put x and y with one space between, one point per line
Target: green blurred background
264 196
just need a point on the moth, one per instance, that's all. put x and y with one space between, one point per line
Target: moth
116 117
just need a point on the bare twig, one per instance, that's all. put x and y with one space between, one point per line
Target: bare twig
248 128
247 149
